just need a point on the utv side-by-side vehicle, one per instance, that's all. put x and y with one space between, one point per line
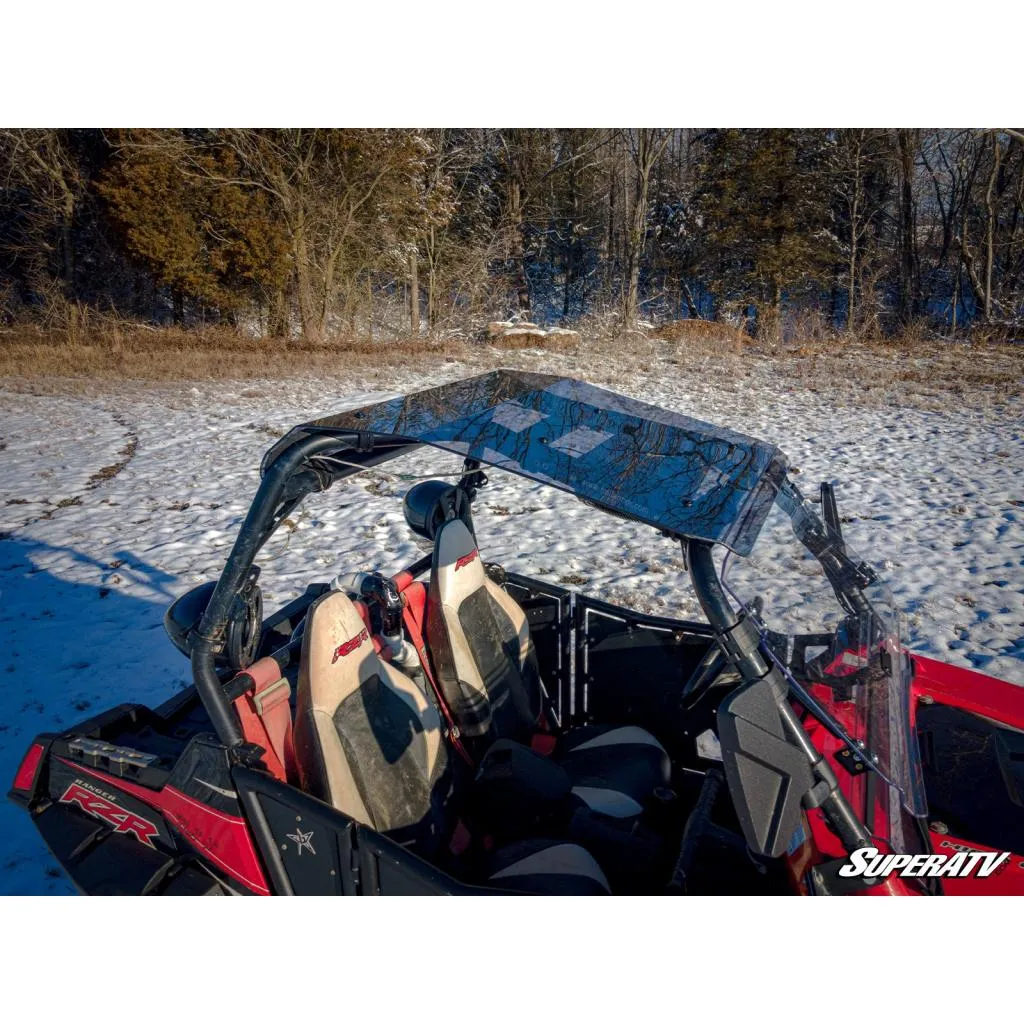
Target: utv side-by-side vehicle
454 727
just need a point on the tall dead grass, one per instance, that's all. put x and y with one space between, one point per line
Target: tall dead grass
907 370
709 337
913 362
568 342
217 353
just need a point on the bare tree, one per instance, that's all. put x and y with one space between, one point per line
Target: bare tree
907 143
995 275
39 162
858 152
645 146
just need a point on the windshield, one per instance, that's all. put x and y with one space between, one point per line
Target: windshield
831 625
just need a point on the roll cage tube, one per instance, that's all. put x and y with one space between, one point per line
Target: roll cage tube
742 648
825 541
286 481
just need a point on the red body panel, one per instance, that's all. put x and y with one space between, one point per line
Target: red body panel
27 769
223 838
987 697
1008 880
963 688
944 684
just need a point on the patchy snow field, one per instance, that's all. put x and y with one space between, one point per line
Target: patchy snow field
115 500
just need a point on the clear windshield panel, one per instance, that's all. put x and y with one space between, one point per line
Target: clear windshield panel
832 626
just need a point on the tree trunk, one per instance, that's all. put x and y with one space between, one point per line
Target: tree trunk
414 293
517 246
67 248
312 325
431 311
634 247
990 227
961 265
908 242
775 326
279 314
645 153
851 284
956 296
636 233
569 264
609 238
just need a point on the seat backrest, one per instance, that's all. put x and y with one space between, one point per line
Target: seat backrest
367 740
480 645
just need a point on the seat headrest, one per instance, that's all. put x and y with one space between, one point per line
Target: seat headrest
457 558
337 651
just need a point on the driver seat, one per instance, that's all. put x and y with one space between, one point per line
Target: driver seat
486 667
368 742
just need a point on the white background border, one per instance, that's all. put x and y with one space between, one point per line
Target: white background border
467 63
542 62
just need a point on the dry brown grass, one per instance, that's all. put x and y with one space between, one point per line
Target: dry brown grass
172 354
549 343
911 370
907 370
707 336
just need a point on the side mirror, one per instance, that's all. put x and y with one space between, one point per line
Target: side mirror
183 616
243 631
768 776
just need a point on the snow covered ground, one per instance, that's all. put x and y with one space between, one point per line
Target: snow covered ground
115 500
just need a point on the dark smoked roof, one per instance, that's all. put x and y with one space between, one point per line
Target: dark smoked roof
678 474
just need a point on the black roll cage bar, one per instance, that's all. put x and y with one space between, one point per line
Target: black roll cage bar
294 472
287 479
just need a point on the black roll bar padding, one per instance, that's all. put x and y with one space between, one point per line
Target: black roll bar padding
707 585
419 566
259 524
752 667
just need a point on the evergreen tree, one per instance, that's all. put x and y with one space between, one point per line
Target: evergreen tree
764 216
216 244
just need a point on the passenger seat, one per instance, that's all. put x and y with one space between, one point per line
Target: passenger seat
486 667
369 743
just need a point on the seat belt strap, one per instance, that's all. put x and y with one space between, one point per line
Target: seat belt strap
414 602
265 714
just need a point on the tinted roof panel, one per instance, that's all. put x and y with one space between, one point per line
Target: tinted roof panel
676 473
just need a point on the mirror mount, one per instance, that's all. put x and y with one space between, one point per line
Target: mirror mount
243 631
830 513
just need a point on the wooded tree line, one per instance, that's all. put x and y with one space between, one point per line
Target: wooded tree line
329 232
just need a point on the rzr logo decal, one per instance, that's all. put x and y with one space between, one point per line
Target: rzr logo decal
466 559
867 862
342 650
117 817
